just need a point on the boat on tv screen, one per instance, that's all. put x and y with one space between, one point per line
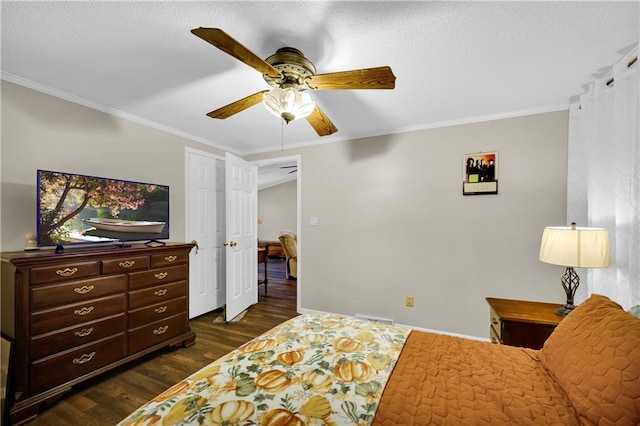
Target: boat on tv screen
76 209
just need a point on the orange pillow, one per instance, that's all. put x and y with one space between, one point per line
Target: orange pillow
594 355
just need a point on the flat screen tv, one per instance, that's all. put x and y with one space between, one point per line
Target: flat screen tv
79 209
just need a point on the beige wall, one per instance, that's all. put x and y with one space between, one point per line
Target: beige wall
43 132
392 219
393 222
277 209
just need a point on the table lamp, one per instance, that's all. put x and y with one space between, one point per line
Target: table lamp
574 247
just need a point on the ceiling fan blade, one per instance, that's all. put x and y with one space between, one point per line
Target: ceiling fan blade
229 45
237 106
321 123
368 78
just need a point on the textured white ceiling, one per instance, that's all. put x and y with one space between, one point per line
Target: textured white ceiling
454 61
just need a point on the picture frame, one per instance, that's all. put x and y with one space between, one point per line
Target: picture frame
480 173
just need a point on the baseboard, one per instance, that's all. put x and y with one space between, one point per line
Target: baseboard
412 327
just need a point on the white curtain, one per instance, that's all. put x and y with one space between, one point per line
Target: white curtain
604 176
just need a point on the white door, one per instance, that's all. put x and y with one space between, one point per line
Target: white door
241 188
205 225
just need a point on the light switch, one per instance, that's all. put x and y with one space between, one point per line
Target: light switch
313 221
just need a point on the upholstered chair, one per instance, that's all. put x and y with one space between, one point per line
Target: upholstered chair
290 248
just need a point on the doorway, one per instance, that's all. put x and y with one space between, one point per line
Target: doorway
205 194
282 171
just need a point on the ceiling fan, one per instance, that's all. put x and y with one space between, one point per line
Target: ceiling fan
290 167
290 74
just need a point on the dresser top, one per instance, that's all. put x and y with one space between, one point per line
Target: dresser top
70 253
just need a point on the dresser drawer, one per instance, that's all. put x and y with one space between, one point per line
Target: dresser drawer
169 258
157 332
78 313
158 276
53 371
158 294
124 264
77 291
51 343
66 271
143 316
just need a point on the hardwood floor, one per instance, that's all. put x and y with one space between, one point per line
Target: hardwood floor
109 398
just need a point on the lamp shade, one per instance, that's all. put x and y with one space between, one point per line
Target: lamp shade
289 103
575 247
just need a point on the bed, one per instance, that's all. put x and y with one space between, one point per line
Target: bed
336 370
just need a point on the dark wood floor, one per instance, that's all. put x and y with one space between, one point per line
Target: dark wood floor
108 399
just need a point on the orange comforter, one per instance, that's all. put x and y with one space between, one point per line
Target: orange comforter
587 373
448 380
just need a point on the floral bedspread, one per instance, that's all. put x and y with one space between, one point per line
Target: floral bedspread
314 369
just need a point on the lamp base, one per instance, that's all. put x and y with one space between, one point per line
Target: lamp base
570 282
565 310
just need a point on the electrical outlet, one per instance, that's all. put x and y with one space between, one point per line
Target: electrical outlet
410 301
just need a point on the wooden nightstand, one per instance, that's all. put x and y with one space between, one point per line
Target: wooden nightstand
522 323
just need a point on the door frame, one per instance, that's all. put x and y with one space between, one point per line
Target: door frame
300 239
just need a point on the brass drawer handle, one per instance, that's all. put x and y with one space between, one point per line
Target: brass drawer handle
66 272
160 292
84 289
161 330
170 258
160 310
84 358
85 332
494 321
127 263
83 311
161 275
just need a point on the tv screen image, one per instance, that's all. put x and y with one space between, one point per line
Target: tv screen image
79 209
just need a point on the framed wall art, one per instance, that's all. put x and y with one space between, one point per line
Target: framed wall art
480 173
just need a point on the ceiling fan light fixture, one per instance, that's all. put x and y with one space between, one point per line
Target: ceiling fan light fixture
288 103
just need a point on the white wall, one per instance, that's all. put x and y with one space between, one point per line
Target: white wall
393 222
43 132
277 209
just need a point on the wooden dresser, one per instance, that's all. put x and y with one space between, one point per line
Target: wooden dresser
522 323
77 314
